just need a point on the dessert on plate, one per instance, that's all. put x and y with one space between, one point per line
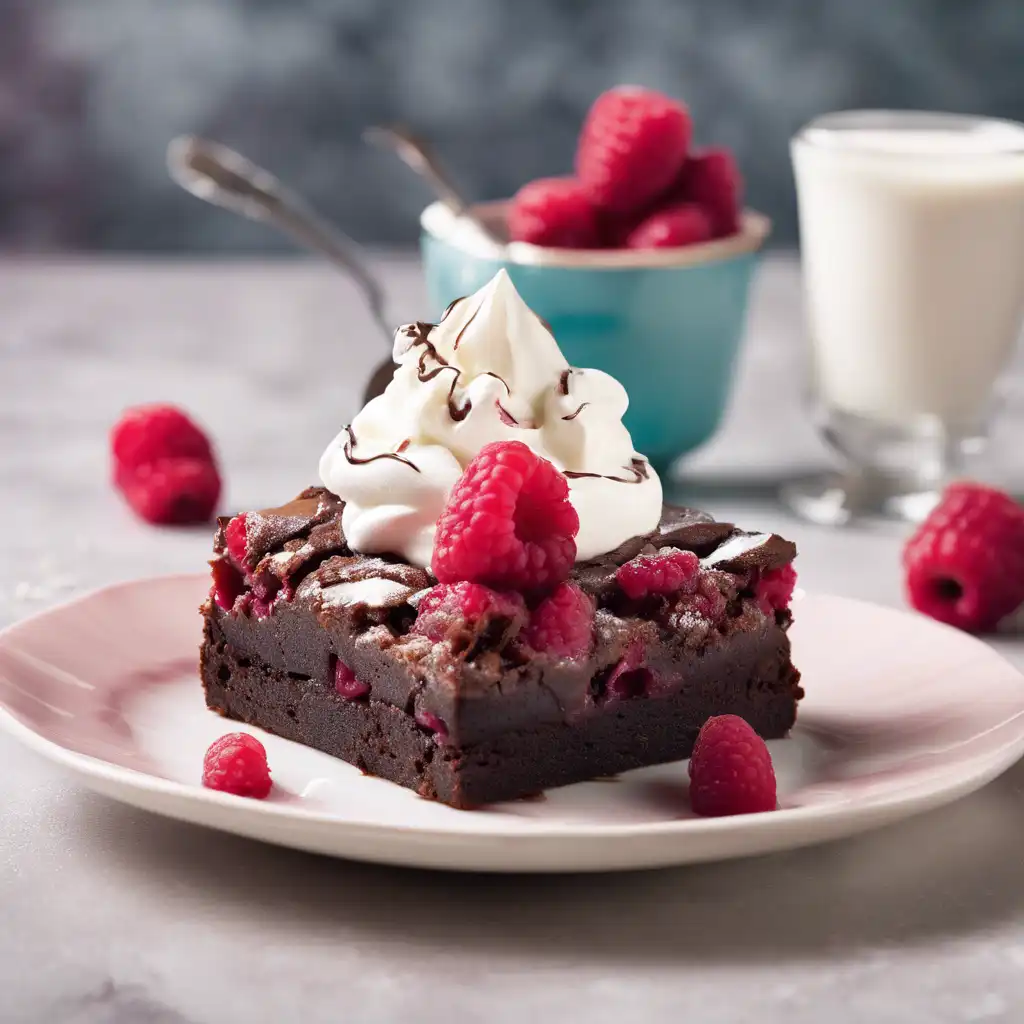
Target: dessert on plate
487 597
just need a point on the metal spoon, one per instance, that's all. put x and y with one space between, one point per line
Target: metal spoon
417 154
221 176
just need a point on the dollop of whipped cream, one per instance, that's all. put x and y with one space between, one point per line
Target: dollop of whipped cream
490 371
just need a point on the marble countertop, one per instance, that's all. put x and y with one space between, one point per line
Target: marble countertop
113 915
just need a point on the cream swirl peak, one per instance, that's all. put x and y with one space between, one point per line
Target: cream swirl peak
489 371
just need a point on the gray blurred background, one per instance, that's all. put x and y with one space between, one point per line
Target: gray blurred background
92 90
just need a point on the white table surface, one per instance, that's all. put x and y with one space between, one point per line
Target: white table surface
112 915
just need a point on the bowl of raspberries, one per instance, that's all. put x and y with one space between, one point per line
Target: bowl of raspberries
641 262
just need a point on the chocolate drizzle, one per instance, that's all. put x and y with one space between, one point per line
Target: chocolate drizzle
505 416
419 332
451 305
423 374
637 467
501 380
457 414
429 352
462 330
354 460
416 333
573 415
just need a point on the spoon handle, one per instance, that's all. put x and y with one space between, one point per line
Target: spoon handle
417 154
219 175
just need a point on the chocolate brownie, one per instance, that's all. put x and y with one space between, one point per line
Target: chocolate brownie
295 618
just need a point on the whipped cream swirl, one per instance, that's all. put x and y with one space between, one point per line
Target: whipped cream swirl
490 371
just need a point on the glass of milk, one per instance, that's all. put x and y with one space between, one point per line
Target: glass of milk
912 243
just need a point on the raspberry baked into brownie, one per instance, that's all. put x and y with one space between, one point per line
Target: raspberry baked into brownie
487 598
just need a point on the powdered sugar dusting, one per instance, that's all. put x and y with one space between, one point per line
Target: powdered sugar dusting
284 557
376 593
736 548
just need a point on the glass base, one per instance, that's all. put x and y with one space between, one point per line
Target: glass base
893 471
835 499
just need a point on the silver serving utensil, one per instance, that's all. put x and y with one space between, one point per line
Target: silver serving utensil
219 175
417 154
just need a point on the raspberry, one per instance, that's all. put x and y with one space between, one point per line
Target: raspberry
346 684
632 146
466 613
630 677
562 624
553 212
149 433
429 721
965 563
173 491
712 180
705 600
774 590
237 763
236 541
680 224
164 465
265 585
730 770
508 523
664 573
228 584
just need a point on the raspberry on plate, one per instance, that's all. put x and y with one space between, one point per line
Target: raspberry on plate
731 770
508 523
713 181
562 624
173 492
965 563
672 226
667 572
554 212
632 147
237 763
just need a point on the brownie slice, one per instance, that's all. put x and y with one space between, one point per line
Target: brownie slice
312 642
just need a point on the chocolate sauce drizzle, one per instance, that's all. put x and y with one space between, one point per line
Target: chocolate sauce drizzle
451 305
573 415
500 379
354 460
418 332
637 467
462 330
505 416
457 414
423 375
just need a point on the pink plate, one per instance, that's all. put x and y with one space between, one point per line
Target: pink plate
901 715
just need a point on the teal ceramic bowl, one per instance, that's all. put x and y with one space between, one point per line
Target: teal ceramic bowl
667 323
